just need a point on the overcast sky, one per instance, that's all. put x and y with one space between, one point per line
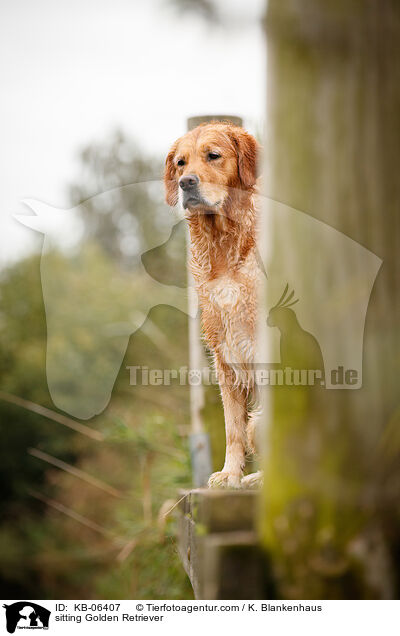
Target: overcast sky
71 72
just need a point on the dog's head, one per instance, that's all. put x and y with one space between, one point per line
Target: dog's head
204 166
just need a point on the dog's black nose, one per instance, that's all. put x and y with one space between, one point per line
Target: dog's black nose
189 181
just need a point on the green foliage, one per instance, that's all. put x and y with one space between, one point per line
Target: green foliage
92 528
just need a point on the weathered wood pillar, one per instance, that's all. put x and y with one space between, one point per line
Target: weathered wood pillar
219 547
330 520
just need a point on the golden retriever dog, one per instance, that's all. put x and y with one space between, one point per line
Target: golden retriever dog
211 172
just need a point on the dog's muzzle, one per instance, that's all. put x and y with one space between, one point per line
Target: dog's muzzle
190 188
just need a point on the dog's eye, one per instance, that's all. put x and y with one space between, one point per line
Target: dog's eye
213 155
181 162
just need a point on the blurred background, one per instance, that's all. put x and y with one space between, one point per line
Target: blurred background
94 95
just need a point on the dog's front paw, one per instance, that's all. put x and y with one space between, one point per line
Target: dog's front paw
253 481
223 479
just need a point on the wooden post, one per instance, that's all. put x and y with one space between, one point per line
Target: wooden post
218 542
199 439
333 152
219 547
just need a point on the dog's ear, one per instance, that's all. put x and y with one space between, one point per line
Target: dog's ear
248 151
170 182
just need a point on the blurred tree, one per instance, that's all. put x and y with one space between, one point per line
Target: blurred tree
137 214
90 508
106 167
206 9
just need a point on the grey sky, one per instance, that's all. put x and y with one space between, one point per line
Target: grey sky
73 71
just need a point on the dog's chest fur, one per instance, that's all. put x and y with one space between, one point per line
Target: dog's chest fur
226 273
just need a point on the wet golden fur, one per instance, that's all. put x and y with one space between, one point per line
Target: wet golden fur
223 234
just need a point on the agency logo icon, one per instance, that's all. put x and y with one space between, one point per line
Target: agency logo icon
26 615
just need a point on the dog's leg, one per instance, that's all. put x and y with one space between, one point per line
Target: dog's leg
252 432
235 411
254 480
